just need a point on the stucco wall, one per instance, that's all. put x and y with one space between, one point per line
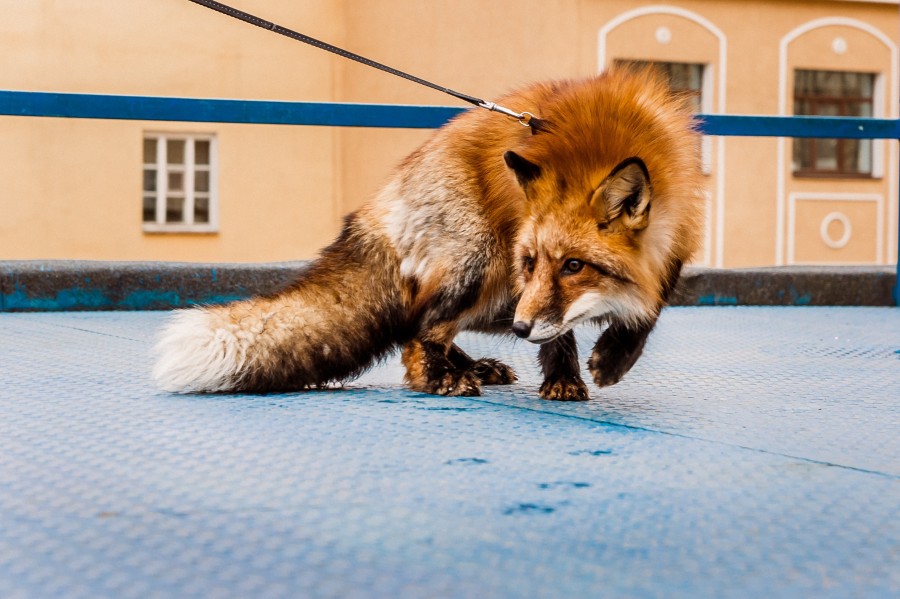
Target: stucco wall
71 189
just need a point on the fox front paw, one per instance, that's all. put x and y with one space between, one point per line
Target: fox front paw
493 372
606 371
564 389
616 351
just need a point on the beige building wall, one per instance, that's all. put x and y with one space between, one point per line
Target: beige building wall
72 188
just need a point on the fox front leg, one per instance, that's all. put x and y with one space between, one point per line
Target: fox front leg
616 351
562 375
620 346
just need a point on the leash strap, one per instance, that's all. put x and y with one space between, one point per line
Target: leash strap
525 118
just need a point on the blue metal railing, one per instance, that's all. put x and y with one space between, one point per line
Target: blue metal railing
264 112
259 112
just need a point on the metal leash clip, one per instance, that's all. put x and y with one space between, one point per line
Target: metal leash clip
524 118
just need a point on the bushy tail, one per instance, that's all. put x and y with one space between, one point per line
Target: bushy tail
345 312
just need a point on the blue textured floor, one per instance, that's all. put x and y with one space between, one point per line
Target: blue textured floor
752 452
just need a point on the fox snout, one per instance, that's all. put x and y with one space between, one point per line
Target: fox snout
521 329
538 331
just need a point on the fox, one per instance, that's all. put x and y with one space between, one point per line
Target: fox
586 216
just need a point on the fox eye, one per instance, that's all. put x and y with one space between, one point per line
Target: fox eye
528 264
572 266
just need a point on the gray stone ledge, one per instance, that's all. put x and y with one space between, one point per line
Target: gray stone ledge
62 285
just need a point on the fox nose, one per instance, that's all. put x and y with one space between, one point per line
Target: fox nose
521 329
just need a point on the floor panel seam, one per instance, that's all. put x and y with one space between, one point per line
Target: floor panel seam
887 475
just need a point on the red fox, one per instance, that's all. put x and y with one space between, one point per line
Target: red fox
488 226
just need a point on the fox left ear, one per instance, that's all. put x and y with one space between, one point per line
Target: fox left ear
625 194
525 170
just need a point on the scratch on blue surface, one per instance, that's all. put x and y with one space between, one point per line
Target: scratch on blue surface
466 461
799 299
64 299
529 508
97 299
564 484
714 299
143 299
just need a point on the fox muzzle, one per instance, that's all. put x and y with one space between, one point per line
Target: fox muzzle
521 329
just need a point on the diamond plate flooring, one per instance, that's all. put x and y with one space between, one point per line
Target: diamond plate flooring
751 452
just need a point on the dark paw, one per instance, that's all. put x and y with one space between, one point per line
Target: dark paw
616 352
493 372
453 383
608 372
564 390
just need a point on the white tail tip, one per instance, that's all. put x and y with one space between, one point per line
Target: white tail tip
194 355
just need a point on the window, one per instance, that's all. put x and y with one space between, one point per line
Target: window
833 93
179 183
684 78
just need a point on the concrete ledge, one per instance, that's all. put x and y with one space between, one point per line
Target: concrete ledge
29 286
787 286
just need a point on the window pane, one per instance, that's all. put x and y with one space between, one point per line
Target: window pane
149 150
175 151
201 152
174 210
827 109
149 179
201 181
176 181
857 155
866 86
804 82
826 154
834 84
803 154
201 210
859 109
684 76
149 209
829 83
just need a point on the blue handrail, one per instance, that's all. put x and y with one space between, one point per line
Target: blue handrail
267 112
155 108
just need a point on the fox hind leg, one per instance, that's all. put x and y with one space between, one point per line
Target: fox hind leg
429 370
562 374
488 370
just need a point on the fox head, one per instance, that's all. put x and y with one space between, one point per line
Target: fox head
612 201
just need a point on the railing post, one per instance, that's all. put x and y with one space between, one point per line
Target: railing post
897 278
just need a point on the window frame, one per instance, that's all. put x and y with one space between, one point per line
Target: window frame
842 103
188 168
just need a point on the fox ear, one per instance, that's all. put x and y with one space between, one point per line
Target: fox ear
624 193
525 170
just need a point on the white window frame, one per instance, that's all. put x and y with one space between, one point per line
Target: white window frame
162 181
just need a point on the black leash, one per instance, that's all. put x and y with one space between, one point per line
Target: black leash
525 118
